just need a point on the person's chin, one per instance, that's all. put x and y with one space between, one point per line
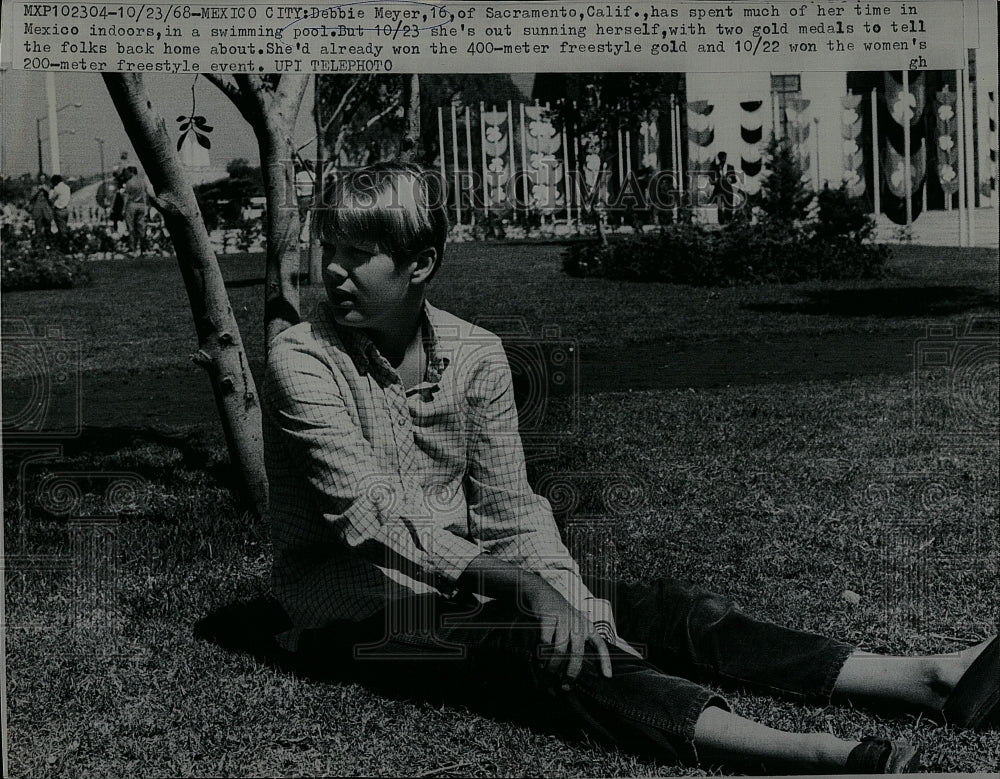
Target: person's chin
347 315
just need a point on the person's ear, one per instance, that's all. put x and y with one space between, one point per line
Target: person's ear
422 265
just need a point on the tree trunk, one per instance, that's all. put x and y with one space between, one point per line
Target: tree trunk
315 252
220 347
409 145
273 113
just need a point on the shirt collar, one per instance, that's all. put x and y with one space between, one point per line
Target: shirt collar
368 359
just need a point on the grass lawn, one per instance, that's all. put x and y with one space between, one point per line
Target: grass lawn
783 495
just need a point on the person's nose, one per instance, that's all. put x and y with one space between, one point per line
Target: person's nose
335 272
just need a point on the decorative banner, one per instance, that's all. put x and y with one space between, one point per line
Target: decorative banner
751 154
992 111
496 131
701 135
543 142
903 105
752 168
592 167
946 138
853 159
895 174
899 110
798 132
650 132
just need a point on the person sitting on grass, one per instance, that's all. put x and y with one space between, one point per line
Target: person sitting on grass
404 530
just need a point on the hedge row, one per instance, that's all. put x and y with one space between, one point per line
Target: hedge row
835 245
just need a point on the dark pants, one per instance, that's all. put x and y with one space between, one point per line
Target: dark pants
135 222
61 217
649 705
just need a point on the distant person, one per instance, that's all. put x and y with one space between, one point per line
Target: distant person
59 197
305 180
136 196
716 177
40 208
728 194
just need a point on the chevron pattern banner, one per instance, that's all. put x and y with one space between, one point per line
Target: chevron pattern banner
992 112
751 138
701 135
853 158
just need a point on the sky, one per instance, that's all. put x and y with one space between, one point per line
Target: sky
22 101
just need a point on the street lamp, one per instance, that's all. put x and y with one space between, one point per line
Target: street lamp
38 134
100 147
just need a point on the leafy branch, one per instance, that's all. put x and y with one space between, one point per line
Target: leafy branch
194 124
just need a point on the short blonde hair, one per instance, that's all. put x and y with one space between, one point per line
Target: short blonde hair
399 206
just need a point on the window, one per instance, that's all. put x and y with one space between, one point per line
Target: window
783 88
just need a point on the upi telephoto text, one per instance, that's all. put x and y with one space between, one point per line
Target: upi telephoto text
405 36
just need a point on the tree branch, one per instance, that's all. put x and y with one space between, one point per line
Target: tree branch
388 109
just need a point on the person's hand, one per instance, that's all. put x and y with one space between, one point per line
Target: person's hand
566 630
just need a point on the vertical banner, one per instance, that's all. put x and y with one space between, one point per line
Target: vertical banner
649 131
543 143
903 108
701 135
799 126
567 194
751 140
455 172
946 126
992 114
853 160
441 151
468 157
482 153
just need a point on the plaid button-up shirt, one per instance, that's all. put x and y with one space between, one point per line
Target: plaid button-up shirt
378 491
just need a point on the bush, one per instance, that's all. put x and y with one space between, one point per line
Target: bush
27 265
783 192
841 216
772 250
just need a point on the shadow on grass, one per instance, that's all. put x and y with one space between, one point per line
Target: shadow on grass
249 627
886 301
102 448
258 281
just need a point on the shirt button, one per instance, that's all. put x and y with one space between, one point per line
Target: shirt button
401 422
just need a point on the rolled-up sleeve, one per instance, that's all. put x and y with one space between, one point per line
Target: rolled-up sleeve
357 502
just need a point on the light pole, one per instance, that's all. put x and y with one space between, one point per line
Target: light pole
100 148
103 190
38 135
